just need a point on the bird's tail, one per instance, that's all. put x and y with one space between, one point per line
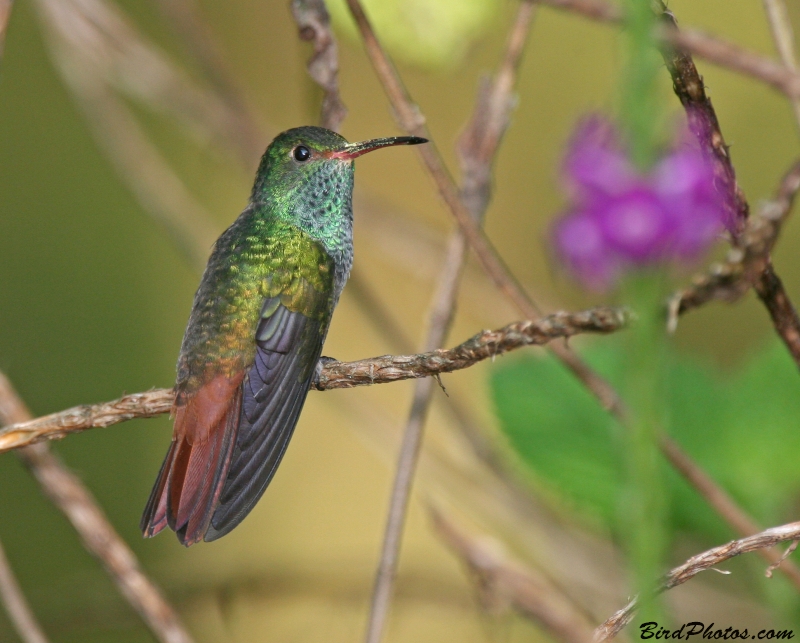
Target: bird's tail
188 486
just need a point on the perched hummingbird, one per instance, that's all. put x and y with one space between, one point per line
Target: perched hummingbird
255 333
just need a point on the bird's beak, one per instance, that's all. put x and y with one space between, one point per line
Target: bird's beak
353 150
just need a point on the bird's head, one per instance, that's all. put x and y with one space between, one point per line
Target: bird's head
312 168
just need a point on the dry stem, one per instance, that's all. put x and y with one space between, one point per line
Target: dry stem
333 375
699 563
67 492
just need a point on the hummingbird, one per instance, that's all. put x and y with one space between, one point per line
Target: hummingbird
254 337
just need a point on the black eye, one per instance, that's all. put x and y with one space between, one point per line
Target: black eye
302 153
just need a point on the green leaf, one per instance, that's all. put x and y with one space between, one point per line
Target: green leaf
741 427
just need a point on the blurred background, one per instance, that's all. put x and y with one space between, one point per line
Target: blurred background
109 119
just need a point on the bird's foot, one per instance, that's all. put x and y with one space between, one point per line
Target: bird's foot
315 381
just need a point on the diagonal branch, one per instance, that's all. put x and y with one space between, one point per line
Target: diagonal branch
67 492
703 123
700 563
17 607
333 375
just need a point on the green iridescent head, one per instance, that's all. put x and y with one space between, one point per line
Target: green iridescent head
313 163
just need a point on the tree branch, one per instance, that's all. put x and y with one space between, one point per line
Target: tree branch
484 345
67 492
333 375
702 118
17 607
699 563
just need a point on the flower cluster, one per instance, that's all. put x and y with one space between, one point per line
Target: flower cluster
621 218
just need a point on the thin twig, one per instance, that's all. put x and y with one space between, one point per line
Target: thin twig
17 607
699 563
68 493
789 550
314 25
503 580
333 375
783 36
477 149
785 320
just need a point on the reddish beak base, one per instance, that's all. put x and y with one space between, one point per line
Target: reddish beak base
354 150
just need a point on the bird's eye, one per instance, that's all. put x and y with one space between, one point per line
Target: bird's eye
301 153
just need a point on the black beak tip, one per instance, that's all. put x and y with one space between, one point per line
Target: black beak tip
416 140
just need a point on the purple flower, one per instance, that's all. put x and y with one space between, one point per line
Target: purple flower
621 218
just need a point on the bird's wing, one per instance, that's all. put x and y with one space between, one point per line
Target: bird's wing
231 433
288 346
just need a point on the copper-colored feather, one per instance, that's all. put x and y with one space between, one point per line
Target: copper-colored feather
194 471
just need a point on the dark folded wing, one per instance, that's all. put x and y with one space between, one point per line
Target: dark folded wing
273 392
